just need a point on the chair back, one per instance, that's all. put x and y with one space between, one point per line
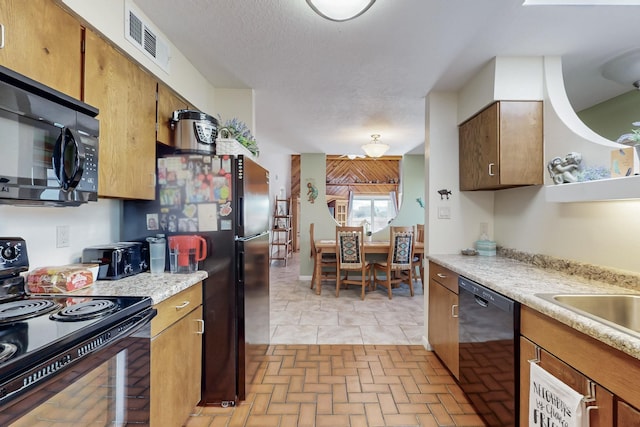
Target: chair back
350 247
420 233
401 241
314 250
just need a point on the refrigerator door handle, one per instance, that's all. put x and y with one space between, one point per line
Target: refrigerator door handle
240 215
240 266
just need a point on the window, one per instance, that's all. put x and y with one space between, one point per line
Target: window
377 211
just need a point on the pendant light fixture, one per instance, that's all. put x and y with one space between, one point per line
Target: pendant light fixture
340 10
375 148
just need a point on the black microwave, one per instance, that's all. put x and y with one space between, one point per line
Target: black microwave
48 145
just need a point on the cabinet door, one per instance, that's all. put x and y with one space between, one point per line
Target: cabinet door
126 97
501 147
168 102
443 325
627 415
602 416
479 167
43 42
520 143
176 370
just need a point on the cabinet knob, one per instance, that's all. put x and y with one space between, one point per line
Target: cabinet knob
442 276
1 36
453 310
183 305
491 165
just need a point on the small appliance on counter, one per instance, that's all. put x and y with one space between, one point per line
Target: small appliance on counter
194 130
118 260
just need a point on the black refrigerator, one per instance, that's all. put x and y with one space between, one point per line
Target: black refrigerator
224 199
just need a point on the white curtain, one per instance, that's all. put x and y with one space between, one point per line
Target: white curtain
394 200
349 206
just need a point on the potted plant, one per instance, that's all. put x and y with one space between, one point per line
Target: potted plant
239 131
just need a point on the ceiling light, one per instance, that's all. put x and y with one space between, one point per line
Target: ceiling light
375 148
340 10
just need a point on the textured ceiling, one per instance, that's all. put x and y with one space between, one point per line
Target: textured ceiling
323 86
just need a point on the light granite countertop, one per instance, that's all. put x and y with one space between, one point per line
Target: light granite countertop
521 281
157 286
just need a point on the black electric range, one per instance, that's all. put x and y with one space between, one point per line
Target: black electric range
41 335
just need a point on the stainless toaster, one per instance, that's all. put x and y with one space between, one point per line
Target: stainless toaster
118 260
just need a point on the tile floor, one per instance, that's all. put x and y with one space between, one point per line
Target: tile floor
299 316
343 362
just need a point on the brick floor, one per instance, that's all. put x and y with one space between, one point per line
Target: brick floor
344 385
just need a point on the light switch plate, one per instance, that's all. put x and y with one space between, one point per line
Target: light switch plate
62 236
444 212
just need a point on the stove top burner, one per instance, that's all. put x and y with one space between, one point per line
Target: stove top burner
24 309
85 310
7 350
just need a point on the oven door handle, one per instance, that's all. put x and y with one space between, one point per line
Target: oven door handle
61 361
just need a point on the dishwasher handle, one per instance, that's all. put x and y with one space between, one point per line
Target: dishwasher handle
486 296
481 301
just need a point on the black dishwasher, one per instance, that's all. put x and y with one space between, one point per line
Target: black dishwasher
489 326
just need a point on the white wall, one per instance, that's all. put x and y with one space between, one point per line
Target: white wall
467 209
278 162
600 233
238 103
89 224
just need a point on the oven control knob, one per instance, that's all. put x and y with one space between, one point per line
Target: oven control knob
10 253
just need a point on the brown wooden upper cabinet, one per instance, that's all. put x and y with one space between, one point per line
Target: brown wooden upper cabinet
42 41
126 97
168 102
501 147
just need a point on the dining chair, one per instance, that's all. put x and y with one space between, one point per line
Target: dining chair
417 260
328 262
399 264
351 258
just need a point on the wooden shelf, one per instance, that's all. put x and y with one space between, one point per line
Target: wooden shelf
623 188
281 240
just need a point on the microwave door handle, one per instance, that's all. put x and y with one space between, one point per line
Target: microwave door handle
57 159
78 159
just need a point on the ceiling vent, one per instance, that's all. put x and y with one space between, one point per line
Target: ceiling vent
140 33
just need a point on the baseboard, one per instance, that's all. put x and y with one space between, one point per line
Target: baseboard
304 278
426 344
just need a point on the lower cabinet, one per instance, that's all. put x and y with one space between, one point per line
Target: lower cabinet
443 316
604 400
584 364
176 357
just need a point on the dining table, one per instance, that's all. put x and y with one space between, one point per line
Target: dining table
328 246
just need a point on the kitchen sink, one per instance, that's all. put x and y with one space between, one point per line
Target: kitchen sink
621 311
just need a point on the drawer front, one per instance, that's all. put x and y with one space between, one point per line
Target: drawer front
174 308
444 276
